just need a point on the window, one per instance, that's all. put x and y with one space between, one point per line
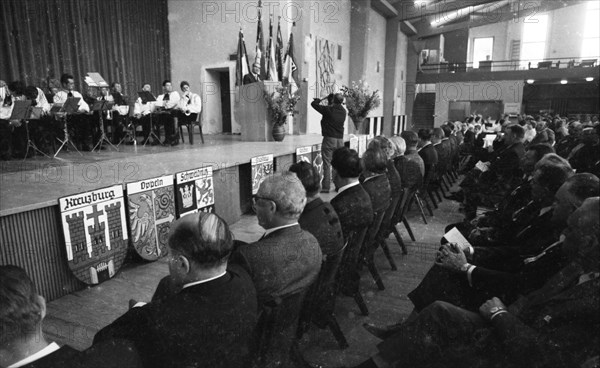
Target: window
482 50
533 42
591 33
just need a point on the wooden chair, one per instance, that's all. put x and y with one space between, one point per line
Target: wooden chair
274 333
319 303
369 247
348 279
386 229
190 129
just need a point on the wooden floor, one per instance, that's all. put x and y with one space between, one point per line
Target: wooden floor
75 318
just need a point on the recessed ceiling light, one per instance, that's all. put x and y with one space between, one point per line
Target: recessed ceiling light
564 81
589 79
530 81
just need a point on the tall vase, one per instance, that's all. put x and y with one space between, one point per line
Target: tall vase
278 132
359 125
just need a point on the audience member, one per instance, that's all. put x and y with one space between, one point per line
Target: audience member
410 166
211 319
554 326
287 259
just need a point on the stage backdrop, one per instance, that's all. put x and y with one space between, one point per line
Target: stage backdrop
124 41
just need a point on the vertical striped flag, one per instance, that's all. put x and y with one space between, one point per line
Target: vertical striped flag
271 55
279 51
289 66
242 65
260 47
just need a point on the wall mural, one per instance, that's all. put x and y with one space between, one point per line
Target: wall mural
151 205
194 191
95 232
326 53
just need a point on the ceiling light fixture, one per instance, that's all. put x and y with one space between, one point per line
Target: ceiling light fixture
589 79
530 81
564 81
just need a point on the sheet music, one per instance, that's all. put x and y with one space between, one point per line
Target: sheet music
96 79
455 236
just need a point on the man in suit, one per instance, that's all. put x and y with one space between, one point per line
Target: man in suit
332 130
410 165
499 175
210 321
287 259
22 342
428 154
554 326
353 206
253 76
168 100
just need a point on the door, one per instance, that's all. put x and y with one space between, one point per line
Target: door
225 101
424 108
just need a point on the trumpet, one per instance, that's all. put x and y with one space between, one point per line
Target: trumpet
187 112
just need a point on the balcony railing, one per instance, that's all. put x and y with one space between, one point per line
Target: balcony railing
508 65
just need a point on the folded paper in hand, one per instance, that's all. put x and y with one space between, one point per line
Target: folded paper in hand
482 166
455 236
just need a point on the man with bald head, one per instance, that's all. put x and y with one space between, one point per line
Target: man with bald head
210 320
286 259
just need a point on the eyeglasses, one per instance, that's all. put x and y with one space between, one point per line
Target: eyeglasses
257 197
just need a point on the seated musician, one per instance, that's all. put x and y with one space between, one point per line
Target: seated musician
118 111
6 106
79 123
142 111
39 129
168 101
188 108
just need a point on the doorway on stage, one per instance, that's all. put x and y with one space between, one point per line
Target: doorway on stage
218 100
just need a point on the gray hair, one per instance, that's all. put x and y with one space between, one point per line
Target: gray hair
287 191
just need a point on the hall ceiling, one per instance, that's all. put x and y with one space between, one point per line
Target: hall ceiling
431 17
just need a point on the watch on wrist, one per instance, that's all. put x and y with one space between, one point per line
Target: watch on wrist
495 310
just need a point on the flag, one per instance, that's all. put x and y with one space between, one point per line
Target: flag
271 55
242 67
289 66
260 47
279 51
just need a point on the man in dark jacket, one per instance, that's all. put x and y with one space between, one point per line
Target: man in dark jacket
210 321
554 326
332 129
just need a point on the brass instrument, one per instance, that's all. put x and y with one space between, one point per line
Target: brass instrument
187 112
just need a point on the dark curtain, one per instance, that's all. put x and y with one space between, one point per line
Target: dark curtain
126 41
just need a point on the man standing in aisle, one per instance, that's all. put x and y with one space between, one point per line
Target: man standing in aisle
332 129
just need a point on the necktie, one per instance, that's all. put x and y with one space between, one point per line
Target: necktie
166 98
189 99
70 94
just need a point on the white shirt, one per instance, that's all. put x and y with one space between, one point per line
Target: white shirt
61 97
273 229
39 355
173 100
203 281
42 101
194 107
347 186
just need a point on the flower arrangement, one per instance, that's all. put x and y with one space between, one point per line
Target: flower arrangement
281 103
360 101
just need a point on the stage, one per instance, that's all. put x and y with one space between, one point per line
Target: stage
30 220
38 182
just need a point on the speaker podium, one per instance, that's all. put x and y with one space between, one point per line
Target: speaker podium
252 111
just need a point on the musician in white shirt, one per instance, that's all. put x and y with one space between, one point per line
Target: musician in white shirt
142 112
190 105
81 124
169 100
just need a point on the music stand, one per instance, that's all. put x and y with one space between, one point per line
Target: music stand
69 107
102 106
152 133
34 114
130 133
